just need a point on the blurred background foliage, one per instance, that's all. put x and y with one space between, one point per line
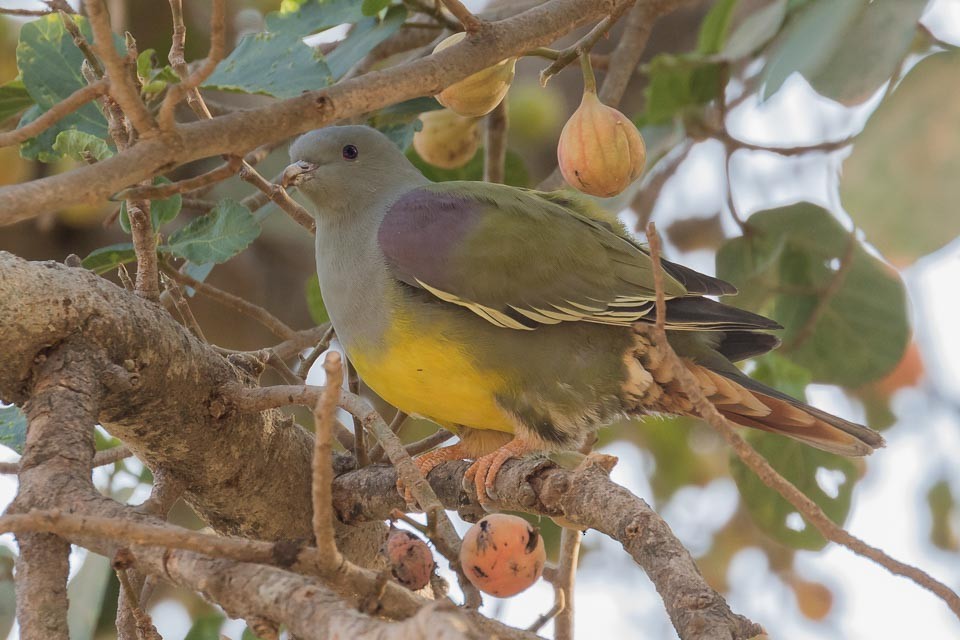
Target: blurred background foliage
805 150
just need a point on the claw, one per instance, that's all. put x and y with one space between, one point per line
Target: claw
484 471
427 462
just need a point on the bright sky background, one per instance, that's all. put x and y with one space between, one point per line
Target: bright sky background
613 596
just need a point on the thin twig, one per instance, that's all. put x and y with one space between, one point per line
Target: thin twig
584 45
189 83
145 628
161 191
470 22
324 415
359 440
428 8
566 575
55 113
305 364
741 222
376 454
559 606
435 439
122 86
809 509
278 195
276 326
180 302
654 182
102 458
495 148
828 146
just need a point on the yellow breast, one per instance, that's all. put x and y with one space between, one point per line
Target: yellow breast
424 374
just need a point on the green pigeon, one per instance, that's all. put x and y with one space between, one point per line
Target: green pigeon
509 315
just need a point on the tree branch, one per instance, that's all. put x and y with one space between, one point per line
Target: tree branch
122 87
252 478
495 147
809 509
276 326
54 114
240 131
61 413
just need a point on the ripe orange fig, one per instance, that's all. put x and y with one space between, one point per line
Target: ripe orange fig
410 559
447 140
600 150
502 555
479 94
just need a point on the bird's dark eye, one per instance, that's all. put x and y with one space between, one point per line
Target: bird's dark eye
350 152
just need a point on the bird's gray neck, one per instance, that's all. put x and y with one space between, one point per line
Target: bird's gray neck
355 282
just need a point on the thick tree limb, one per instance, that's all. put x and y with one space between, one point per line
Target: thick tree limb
61 413
245 474
585 497
238 132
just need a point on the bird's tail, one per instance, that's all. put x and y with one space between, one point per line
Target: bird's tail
747 402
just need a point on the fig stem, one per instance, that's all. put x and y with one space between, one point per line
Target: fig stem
589 80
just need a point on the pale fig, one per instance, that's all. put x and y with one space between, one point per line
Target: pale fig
502 555
600 151
410 559
479 94
447 140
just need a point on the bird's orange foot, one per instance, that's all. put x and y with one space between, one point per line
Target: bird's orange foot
484 471
427 462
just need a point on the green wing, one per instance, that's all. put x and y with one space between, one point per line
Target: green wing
522 258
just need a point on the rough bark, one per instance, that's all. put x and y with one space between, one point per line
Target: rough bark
237 133
245 474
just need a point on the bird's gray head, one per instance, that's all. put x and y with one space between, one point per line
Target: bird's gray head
347 169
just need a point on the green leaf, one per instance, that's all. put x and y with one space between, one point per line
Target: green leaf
161 211
218 236
206 627
679 83
373 7
14 98
318 310
514 169
154 80
49 63
790 257
77 144
803 466
900 183
109 258
755 31
13 428
847 49
714 28
276 62
363 37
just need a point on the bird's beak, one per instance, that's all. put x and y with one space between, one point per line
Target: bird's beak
296 173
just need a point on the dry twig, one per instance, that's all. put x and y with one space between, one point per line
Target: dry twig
276 326
809 509
495 147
